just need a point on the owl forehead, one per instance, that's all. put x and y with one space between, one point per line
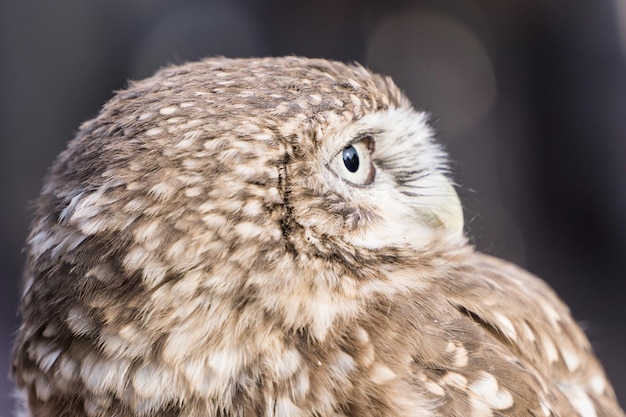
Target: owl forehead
268 91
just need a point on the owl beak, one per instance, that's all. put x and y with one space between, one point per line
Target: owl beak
443 207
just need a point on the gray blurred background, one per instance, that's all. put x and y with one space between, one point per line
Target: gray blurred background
529 97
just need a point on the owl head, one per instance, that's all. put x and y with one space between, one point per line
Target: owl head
220 204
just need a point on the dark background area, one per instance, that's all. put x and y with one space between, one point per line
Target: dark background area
529 97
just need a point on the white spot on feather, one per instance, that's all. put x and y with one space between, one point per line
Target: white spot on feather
154 131
226 363
344 362
43 241
571 359
552 315
487 389
194 191
152 381
506 326
153 273
434 388
101 375
193 123
316 98
50 330
165 111
528 332
300 386
545 409
68 368
368 355
43 389
598 384
27 286
78 321
148 231
579 399
162 191
382 374
249 230
197 375
135 205
287 364
549 349
362 335
95 225
188 139
136 258
70 208
460 353
48 359
454 379
284 407
129 332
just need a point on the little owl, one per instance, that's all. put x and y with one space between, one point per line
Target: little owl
278 237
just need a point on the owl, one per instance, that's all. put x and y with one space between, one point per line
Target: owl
278 237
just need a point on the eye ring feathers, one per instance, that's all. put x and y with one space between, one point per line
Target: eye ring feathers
355 164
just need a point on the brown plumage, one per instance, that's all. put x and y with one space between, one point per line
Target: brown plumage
278 237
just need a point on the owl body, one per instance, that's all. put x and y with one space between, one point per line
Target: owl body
278 237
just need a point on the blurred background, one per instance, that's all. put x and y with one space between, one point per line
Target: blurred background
529 97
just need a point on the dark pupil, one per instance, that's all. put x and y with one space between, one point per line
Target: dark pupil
351 158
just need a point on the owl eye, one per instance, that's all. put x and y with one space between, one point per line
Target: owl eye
354 162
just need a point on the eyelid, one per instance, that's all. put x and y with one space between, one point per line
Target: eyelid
367 138
366 173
